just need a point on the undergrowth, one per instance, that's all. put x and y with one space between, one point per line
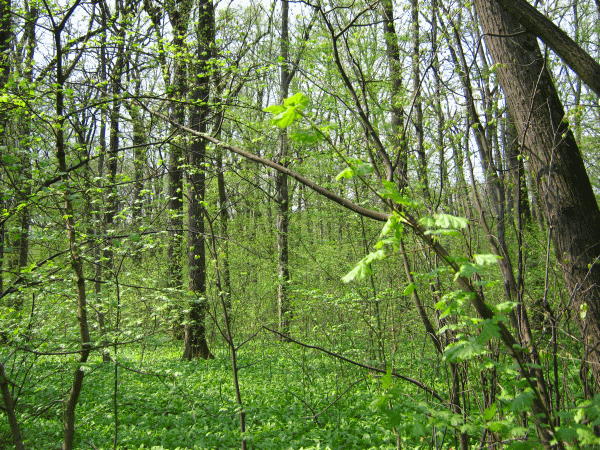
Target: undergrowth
294 399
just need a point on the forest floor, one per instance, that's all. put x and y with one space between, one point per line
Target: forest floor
293 398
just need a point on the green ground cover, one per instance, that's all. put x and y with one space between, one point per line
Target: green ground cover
164 403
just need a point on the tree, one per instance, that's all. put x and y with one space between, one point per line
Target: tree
177 89
569 203
195 330
281 184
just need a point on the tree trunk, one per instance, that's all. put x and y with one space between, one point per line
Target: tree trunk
99 218
5 38
281 187
10 410
195 329
568 201
71 230
179 11
569 51
418 108
398 141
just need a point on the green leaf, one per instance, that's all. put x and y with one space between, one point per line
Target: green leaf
468 270
523 401
390 191
392 225
505 307
519 431
453 301
386 380
427 222
463 350
490 412
498 425
443 231
346 173
489 330
410 289
298 100
306 137
363 268
364 169
275 109
285 118
448 221
486 259
287 113
418 430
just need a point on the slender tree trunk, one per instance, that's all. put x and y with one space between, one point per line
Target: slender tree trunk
74 253
398 141
569 203
31 18
113 143
437 104
221 186
281 187
15 429
418 108
517 170
99 218
5 37
139 159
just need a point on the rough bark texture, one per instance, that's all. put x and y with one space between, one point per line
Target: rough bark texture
178 11
195 330
568 201
570 52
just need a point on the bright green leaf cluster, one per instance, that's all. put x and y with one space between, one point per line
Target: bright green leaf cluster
289 112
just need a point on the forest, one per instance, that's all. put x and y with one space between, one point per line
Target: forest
299 224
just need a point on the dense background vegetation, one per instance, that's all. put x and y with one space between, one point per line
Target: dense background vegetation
293 225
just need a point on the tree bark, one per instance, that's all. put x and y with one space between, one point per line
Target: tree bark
281 187
15 429
71 230
179 11
418 102
569 51
195 342
5 35
568 201
398 141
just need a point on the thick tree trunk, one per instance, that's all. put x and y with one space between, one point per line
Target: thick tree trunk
195 329
568 201
569 51
179 11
